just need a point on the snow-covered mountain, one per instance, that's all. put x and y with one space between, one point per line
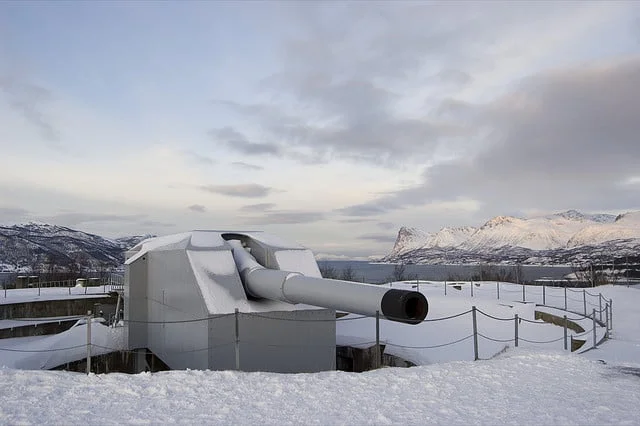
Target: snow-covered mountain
577 216
624 227
40 246
558 238
412 238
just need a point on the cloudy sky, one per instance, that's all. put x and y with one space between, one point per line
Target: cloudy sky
331 124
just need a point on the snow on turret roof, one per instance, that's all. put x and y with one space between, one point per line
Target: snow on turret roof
203 239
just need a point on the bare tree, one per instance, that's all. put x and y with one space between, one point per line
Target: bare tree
348 274
399 272
327 271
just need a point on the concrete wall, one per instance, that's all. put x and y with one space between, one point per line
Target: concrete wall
37 330
174 295
160 287
282 342
57 308
135 303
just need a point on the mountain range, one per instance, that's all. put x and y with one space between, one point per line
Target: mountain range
560 238
38 247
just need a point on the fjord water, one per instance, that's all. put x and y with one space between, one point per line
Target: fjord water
383 272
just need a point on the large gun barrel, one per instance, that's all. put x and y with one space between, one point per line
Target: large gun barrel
292 287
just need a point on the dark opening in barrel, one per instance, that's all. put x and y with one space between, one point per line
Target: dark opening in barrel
405 306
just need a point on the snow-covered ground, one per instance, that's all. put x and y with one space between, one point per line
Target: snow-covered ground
447 335
50 351
51 293
519 387
532 384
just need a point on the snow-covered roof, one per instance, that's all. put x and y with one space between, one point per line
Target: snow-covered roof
215 271
203 239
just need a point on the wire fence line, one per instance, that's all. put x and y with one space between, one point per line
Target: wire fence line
492 317
476 335
240 341
42 350
496 340
72 289
432 346
541 341
539 294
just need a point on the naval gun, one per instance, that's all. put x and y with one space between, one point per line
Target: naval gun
405 306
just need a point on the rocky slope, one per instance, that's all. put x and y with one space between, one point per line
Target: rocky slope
43 247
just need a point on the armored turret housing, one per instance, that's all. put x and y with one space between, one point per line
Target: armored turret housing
222 300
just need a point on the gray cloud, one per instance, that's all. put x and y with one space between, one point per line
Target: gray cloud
453 76
367 209
198 158
378 238
28 99
77 218
258 207
363 127
13 211
284 218
198 208
156 224
562 139
246 165
239 142
386 225
249 190
346 72
356 220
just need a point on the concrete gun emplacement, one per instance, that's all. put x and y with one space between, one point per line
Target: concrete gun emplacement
259 282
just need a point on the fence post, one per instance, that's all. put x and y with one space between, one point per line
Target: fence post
445 288
571 350
5 290
544 294
237 341
593 315
606 315
475 333
565 332
584 301
498 289
516 321
611 313
600 305
377 361
523 295
471 288
565 296
38 286
88 342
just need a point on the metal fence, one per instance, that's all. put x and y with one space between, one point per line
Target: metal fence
599 318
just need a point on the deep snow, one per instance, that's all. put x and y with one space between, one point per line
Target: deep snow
518 386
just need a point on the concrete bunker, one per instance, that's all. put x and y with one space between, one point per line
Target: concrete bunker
182 292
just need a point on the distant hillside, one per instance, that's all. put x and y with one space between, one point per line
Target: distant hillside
42 247
561 238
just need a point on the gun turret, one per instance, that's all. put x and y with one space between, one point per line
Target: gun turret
293 287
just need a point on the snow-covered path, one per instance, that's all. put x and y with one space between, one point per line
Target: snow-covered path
520 387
